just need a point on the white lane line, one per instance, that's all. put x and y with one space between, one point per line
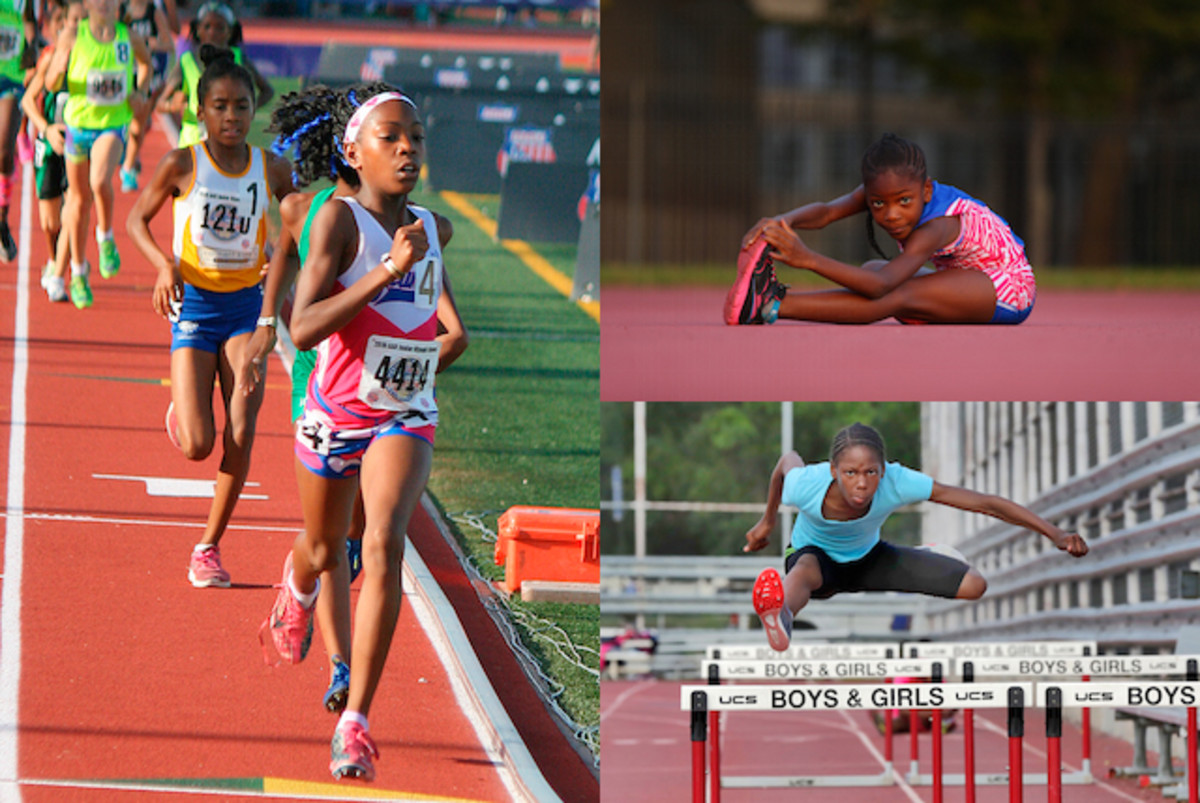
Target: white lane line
14 523
623 696
868 742
198 523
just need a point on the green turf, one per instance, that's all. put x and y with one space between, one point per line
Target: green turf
1146 278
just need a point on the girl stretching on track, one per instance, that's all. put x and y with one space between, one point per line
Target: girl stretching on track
981 274
368 294
96 61
304 122
208 284
835 543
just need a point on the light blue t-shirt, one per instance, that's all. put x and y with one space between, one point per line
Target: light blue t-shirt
844 541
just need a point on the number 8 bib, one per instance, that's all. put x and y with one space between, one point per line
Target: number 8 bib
398 374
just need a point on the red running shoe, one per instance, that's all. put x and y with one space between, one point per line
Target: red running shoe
768 603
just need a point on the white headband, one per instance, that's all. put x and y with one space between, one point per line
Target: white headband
360 114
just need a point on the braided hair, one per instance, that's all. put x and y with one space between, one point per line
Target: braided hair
220 63
857 434
311 123
895 154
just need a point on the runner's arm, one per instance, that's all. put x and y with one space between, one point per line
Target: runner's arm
760 534
1008 511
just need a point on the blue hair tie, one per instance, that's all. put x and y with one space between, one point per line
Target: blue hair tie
353 98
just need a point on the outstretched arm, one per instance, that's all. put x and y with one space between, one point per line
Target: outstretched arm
1009 511
813 216
919 247
760 534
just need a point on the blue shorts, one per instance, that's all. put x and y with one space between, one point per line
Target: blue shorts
10 88
206 318
336 452
1006 314
80 141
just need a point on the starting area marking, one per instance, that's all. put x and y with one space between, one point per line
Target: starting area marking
861 697
180 488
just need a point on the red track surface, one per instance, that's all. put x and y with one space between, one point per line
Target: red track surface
647 753
671 345
130 673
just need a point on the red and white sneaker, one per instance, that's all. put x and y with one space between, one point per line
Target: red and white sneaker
351 753
756 292
768 604
205 570
171 422
290 623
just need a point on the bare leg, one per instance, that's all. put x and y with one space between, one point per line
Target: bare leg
973 586
193 373
77 211
106 155
952 296
394 472
799 583
333 606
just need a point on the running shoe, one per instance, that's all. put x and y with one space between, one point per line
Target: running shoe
339 686
129 180
756 293
290 623
110 259
8 247
55 286
768 604
354 555
24 146
81 292
352 752
205 570
171 423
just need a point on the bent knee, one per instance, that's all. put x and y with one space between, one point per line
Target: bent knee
973 586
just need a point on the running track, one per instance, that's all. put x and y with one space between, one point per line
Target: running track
672 345
131 682
646 743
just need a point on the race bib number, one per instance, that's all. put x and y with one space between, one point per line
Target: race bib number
226 230
11 40
106 87
398 374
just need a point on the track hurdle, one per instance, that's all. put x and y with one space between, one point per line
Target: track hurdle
804 652
781 670
969 657
699 700
1135 694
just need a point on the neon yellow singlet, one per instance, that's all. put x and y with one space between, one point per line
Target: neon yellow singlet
99 78
221 223
190 131
12 40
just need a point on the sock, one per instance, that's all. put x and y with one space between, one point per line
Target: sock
101 236
78 270
203 547
349 716
308 599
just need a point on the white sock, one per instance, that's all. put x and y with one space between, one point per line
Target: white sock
308 599
349 716
203 547
102 235
78 270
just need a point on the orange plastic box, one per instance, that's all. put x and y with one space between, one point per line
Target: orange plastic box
548 543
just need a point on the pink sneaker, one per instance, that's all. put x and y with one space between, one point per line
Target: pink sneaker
205 570
352 751
768 602
756 292
24 146
171 423
290 623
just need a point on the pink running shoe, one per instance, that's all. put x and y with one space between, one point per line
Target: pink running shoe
205 570
352 751
755 295
290 623
768 602
24 146
171 423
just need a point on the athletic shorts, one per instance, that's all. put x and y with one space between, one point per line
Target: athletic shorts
1008 314
206 318
337 453
886 567
80 141
160 62
11 89
50 171
302 368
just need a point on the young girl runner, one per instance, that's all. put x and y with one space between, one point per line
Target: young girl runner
835 544
96 61
368 295
981 273
45 111
208 284
214 24
148 20
304 123
18 30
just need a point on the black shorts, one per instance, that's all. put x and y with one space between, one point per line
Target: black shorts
50 171
886 567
